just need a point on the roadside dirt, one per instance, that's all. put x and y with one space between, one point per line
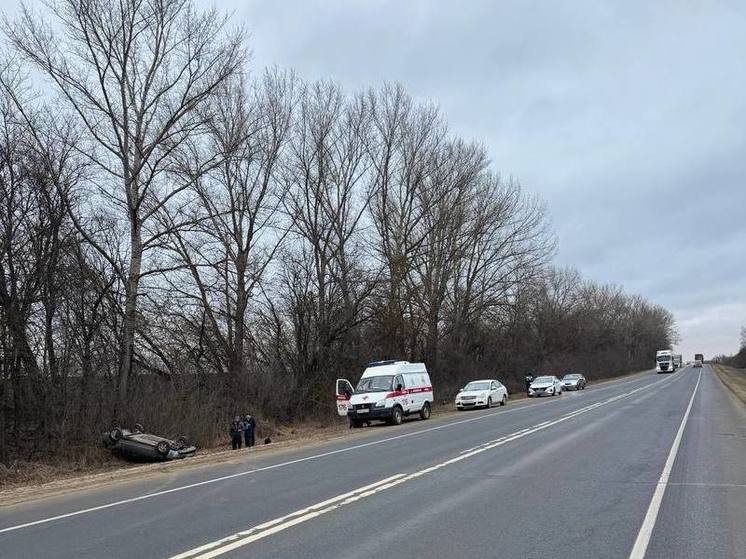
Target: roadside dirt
734 379
31 481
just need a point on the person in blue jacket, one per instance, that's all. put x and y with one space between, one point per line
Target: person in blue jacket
249 423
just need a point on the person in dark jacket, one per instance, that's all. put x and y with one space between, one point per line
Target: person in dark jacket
529 380
248 430
251 437
235 432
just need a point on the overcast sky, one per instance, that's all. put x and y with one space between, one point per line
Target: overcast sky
629 118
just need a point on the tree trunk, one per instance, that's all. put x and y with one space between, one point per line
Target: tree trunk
239 327
129 325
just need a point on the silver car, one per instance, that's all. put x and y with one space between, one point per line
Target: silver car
573 381
139 446
545 386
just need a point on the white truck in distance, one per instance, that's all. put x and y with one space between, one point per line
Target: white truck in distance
677 361
387 391
664 362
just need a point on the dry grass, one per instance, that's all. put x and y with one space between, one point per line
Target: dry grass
734 379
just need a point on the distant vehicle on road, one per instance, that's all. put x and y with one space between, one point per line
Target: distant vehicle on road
664 361
677 361
699 357
697 363
547 385
573 381
139 446
481 394
387 391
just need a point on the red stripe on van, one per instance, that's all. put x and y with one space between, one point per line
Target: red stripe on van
406 391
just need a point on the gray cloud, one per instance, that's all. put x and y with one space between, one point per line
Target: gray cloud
628 118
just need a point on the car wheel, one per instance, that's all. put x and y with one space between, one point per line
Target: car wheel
181 442
425 411
489 402
396 416
162 448
504 400
115 434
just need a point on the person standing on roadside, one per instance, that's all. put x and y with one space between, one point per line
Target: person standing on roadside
529 380
235 432
248 430
251 420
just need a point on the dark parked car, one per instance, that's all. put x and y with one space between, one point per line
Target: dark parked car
140 446
573 381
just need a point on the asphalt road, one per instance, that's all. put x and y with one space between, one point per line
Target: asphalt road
650 466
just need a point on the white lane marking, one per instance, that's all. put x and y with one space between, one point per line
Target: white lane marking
240 539
646 530
284 519
280 465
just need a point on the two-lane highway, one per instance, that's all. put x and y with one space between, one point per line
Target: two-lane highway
648 466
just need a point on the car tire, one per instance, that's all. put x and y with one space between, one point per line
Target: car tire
162 448
396 416
504 400
181 442
489 402
425 411
115 434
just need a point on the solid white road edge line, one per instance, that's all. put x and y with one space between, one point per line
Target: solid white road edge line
646 530
276 466
241 539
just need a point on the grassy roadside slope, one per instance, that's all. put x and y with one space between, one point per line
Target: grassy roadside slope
734 379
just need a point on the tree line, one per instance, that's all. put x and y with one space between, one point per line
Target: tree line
738 359
181 240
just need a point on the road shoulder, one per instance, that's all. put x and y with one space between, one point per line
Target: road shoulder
733 379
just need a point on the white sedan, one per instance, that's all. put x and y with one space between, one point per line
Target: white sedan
481 394
545 386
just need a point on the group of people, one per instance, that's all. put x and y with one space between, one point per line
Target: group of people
242 431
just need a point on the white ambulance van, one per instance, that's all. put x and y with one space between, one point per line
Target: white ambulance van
387 391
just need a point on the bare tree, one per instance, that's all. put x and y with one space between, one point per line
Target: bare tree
237 216
506 244
38 168
135 74
402 147
326 283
